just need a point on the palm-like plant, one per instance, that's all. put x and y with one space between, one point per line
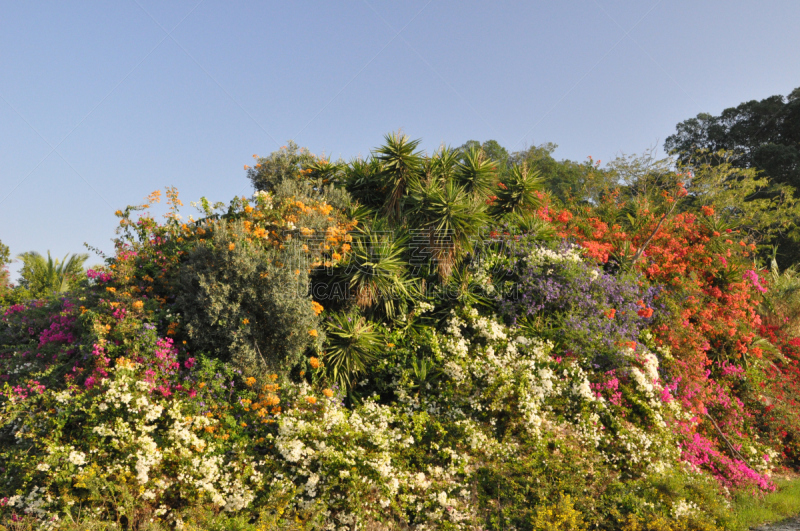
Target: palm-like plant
375 271
444 164
352 343
363 181
517 193
401 165
45 277
475 172
448 218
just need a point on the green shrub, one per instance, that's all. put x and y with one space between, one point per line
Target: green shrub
247 304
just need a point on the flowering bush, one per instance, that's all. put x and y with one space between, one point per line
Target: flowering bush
606 377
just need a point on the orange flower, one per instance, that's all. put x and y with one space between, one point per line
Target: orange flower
245 321
231 246
313 333
317 307
272 400
138 305
250 381
311 400
611 313
314 362
645 312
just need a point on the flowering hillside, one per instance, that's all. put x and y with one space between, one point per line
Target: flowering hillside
404 342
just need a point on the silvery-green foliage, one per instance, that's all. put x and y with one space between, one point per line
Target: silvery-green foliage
246 303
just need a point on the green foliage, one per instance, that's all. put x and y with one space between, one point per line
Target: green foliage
374 274
42 278
565 180
760 135
764 135
477 172
353 343
246 304
518 193
741 196
400 164
281 166
447 219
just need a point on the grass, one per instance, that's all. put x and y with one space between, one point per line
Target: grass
784 503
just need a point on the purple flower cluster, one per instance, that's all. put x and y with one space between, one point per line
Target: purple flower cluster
590 313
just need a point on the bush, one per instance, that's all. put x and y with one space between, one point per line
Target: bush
247 304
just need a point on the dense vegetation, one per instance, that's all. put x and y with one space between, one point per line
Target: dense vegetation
465 340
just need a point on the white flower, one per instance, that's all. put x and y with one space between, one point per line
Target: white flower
77 458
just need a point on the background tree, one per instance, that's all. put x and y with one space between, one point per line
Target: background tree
566 180
5 258
762 135
45 277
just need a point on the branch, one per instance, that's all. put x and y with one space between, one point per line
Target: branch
653 234
730 446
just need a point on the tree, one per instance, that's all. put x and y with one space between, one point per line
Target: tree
42 278
566 180
763 136
493 151
5 258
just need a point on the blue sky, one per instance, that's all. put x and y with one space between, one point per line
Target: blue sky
102 103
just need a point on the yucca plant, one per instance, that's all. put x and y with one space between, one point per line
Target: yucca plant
364 181
447 218
532 226
517 193
352 343
375 271
476 172
443 165
400 165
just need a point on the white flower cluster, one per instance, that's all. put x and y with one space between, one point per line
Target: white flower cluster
154 445
540 256
263 199
683 508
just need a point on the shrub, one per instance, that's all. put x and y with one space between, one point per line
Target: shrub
247 304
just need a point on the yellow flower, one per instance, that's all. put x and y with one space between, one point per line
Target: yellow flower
250 381
327 392
311 400
390 345
313 333
138 305
314 362
231 246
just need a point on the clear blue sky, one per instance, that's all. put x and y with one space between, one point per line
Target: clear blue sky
102 103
